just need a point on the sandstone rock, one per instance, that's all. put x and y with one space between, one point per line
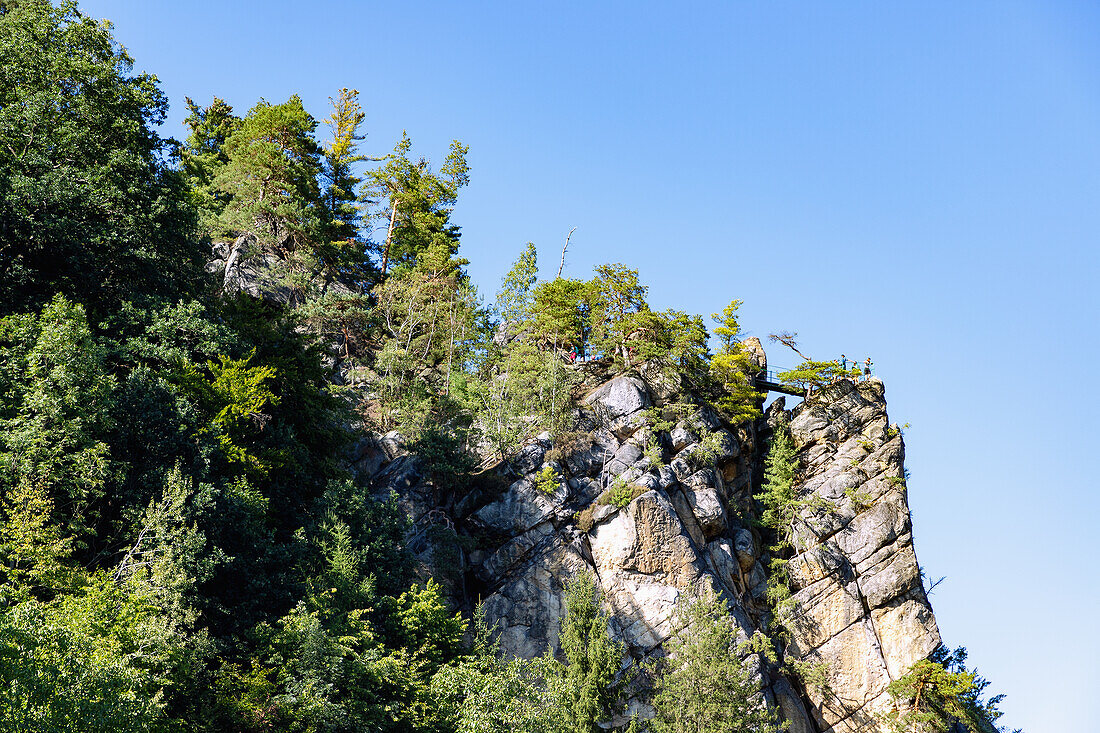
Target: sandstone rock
707 507
666 477
648 481
501 561
619 398
627 454
663 384
858 603
791 707
519 508
745 547
529 458
722 558
648 538
758 582
528 608
820 612
894 576
602 512
681 469
907 631
874 528
856 673
681 437
755 351
590 458
819 562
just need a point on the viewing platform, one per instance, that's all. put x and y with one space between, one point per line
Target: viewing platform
768 381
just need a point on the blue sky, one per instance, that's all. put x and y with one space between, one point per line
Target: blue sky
916 182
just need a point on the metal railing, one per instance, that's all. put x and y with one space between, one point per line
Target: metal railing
770 375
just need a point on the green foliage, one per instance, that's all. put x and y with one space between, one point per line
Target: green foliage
89 205
705 685
547 481
561 313
204 154
814 675
341 193
860 499
618 305
780 505
937 693
444 457
620 494
56 401
485 693
816 374
588 682
416 204
522 392
732 369
514 301
93 660
271 175
431 323
584 519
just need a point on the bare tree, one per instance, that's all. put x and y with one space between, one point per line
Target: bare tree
788 339
562 265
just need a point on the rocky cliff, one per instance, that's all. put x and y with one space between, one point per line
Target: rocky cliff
659 514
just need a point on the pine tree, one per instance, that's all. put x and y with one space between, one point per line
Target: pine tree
706 687
781 507
515 297
416 203
592 658
345 248
203 155
89 204
618 299
271 175
732 368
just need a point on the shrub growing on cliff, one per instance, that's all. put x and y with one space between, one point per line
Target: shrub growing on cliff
780 506
588 680
732 368
486 693
707 686
938 693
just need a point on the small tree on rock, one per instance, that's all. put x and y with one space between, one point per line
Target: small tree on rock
707 687
592 658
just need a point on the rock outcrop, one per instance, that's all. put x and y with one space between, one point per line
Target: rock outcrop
859 611
860 605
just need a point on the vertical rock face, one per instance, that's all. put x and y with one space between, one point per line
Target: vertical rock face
858 605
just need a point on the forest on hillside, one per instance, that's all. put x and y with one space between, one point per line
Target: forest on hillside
183 544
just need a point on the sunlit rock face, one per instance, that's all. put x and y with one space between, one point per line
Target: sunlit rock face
860 606
682 527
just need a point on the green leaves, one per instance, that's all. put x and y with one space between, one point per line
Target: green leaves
57 397
592 658
271 177
236 393
88 204
939 694
706 686
780 508
515 297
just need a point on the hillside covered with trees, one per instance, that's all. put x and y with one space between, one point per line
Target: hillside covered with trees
185 543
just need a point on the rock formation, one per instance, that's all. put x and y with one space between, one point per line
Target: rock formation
681 525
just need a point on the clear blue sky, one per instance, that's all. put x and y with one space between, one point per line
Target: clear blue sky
917 182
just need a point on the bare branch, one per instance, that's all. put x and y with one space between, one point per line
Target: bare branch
788 339
562 265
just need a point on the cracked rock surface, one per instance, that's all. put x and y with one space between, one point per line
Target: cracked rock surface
858 606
